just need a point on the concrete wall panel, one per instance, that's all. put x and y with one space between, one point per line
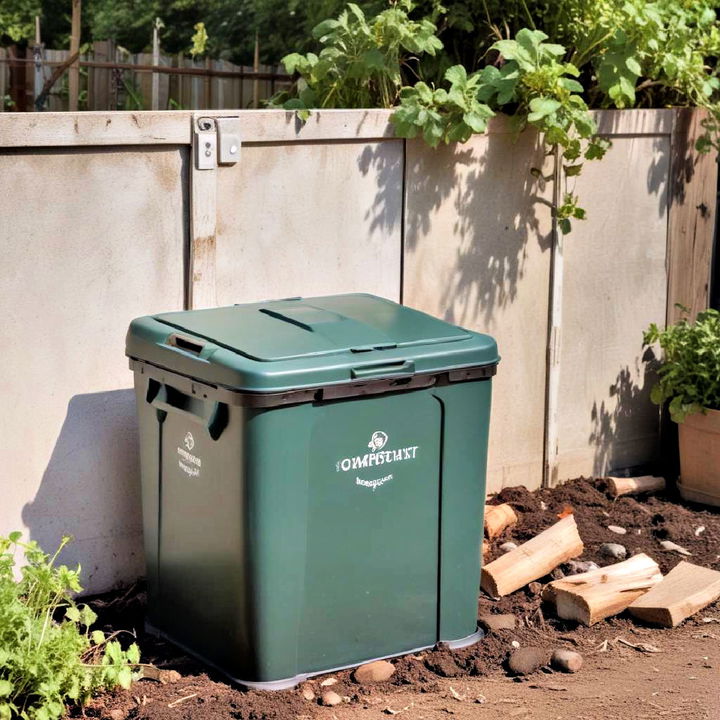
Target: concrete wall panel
477 254
310 219
615 284
90 239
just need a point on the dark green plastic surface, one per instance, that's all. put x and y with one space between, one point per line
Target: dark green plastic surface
301 538
300 343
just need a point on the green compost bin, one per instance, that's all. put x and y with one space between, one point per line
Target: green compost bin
313 480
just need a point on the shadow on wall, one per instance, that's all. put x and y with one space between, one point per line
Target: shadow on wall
386 159
91 490
622 426
495 201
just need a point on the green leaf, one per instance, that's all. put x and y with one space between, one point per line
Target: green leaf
14 536
72 613
476 121
97 637
6 688
325 28
572 170
542 107
456 75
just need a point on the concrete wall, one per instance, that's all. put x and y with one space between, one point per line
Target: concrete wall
103 218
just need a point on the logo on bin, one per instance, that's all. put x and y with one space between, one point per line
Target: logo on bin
378 440
189 441
376 456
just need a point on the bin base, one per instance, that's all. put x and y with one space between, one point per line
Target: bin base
286 683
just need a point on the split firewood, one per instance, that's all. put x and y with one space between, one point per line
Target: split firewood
635 485
485 549
497 518
686 589
533 559
595 595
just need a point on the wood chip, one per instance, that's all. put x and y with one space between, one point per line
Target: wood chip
181 700
642 647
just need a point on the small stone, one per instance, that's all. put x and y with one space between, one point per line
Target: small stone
527 660
330 698
515 644
493 623
576 567
566 660
506 547
328 682
557 574
535 588
617 529
613 551
116 714
374 672
307 693
169 676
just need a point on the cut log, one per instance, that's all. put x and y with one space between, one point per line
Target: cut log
497 518
686 589
634 485
595 595
533 559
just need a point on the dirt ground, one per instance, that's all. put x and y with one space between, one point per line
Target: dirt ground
679 678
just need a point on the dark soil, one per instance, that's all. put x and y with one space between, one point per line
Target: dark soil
195 692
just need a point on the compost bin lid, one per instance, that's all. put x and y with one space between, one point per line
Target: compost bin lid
305 342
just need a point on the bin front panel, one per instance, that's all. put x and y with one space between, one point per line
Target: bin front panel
371 574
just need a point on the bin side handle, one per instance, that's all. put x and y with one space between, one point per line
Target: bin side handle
170 399
404 368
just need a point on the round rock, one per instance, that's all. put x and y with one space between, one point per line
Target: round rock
526 660
374 672
566 660
331 698
613 551
576 567
617 529
506 547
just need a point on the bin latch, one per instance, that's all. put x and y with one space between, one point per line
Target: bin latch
216 141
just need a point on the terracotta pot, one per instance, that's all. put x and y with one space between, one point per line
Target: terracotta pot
700 458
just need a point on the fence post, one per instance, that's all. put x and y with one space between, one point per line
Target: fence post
256 68
691 216
3 81
99 78
155 91
74 71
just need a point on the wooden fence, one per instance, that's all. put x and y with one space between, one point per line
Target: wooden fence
112 79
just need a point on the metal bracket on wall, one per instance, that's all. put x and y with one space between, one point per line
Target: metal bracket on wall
216 141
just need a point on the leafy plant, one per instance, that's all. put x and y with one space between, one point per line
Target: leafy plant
689 375
544 64
534 82
48 654
360 63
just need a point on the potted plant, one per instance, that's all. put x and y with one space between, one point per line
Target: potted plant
689 379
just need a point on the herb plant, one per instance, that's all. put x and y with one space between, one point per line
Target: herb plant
689 375
48 654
